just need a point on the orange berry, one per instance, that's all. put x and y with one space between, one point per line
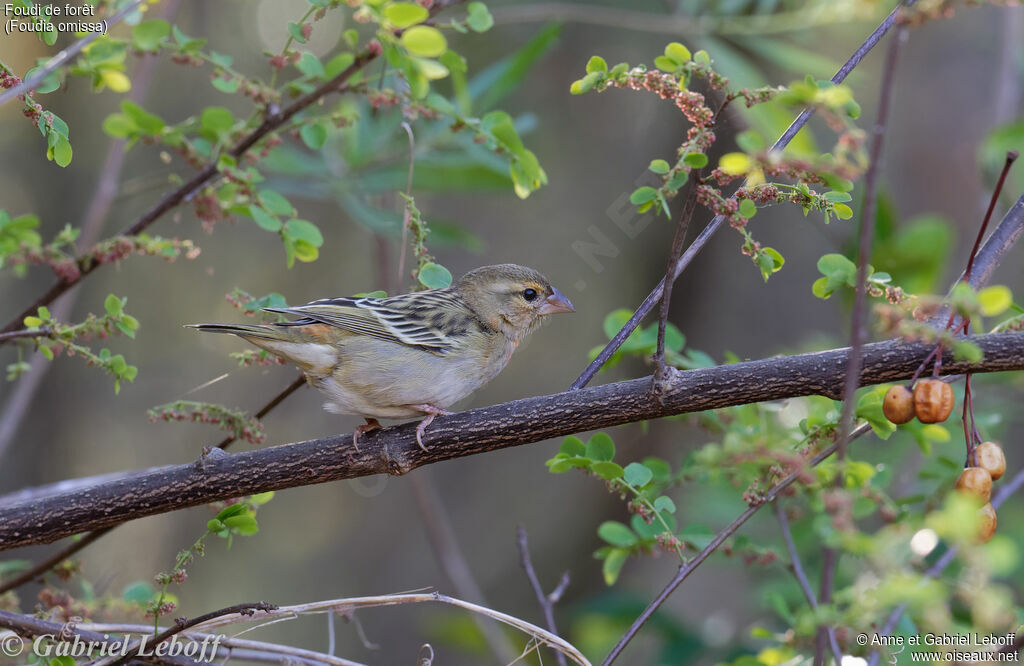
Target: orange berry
933 400
976 482
898 404
989 456
986 523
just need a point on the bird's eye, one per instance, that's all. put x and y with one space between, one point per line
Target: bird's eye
529 294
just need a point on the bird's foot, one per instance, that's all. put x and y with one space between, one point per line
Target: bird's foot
431 411
371 424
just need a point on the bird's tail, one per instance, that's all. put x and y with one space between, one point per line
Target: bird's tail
245 330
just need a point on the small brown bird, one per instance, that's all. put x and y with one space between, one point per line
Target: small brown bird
411 354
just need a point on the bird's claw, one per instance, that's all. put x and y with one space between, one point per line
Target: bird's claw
371 424
431 411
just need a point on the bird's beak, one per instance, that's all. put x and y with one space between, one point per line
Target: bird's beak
556 302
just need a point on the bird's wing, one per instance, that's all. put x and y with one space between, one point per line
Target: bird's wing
435 321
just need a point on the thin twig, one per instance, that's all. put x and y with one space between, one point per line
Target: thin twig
801 576
685 215
64 56
716 223
830 557
406 216
546 602
26 333
181 624
86 539
829 560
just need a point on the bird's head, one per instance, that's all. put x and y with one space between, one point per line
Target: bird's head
511 298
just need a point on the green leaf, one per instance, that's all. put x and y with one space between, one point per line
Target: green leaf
750 141
337 64
843 212
607 470
310 65
747 208
585 84
617 534
659 167
215 121
770 261
637 475
572 446
664 504
600 447
46 352
612 565
677 52
228 86
113 306
244 524
643 194
696 160
61 152
666 64
32 322
49 83
314 135
425 41
264 219
295 30
139 592
231 510
275 202
479 18
596 64
147 122
837 197
406 14
304 231
434 276
148 35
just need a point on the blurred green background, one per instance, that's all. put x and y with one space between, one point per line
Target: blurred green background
957 80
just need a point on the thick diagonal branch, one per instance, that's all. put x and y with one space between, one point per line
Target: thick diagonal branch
394 450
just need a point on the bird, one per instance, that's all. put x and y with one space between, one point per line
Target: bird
411 354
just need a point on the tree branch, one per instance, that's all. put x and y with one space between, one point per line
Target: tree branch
394 450
698 243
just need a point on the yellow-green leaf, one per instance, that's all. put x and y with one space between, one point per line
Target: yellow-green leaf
424 41
405 14
735 164
994 300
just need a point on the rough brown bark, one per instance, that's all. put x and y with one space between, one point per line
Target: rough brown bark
394 450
